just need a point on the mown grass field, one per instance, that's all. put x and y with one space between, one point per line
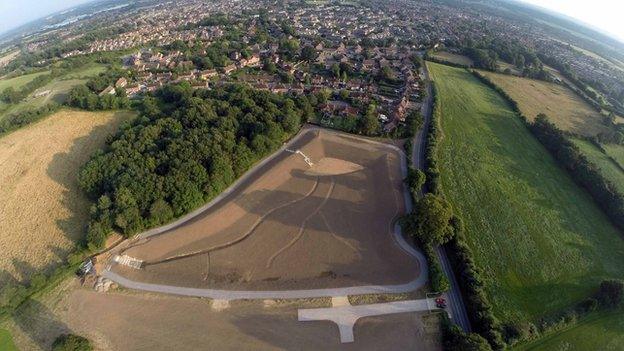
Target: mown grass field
609 168
44 212
453 58
6 341
539 239
601 331
564 108
19 81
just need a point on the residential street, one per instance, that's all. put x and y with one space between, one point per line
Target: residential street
456 303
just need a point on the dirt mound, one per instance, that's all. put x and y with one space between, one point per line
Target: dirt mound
328 166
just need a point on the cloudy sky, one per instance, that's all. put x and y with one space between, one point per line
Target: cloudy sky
604 14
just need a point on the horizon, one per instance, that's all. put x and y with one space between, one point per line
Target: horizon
596 17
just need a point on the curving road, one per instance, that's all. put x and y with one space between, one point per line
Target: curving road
397 236
419 146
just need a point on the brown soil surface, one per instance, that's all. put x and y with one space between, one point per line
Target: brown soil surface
43 211
292 227
119 321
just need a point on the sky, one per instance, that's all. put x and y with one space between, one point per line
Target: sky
14 13
605 15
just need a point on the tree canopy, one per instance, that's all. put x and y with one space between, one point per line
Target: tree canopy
185 148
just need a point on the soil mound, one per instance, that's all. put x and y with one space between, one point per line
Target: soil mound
329 166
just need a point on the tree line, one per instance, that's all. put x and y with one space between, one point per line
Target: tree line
584 173
185 148
17 120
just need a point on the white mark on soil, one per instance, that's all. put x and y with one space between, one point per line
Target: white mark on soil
220 305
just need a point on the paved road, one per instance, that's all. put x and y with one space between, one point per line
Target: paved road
347 315
456 303
415 284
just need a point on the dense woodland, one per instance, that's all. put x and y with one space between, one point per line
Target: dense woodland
185 148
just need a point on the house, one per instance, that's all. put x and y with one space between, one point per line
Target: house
110 90
229 68
121 82
208 73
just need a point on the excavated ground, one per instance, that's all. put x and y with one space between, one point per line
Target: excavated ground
292 226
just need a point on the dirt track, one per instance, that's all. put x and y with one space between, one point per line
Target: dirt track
293 226
160 322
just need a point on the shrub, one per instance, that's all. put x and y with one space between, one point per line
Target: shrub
71 342
455 339
611 293
588 305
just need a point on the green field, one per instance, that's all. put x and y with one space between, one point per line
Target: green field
56 90
539 239
608 168
19 81
602 331
616 152
453 58
89 70
6 342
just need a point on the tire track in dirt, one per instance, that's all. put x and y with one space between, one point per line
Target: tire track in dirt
342 240
302 226
241 238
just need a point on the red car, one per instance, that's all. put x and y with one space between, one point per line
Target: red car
440 302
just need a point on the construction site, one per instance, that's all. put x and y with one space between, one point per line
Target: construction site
321 213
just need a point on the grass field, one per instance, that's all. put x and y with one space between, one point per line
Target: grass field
19 81
55 91
502 66
43 210
564 108
453 58
539 239
601 331
609 169
616 152
6 341
89 70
